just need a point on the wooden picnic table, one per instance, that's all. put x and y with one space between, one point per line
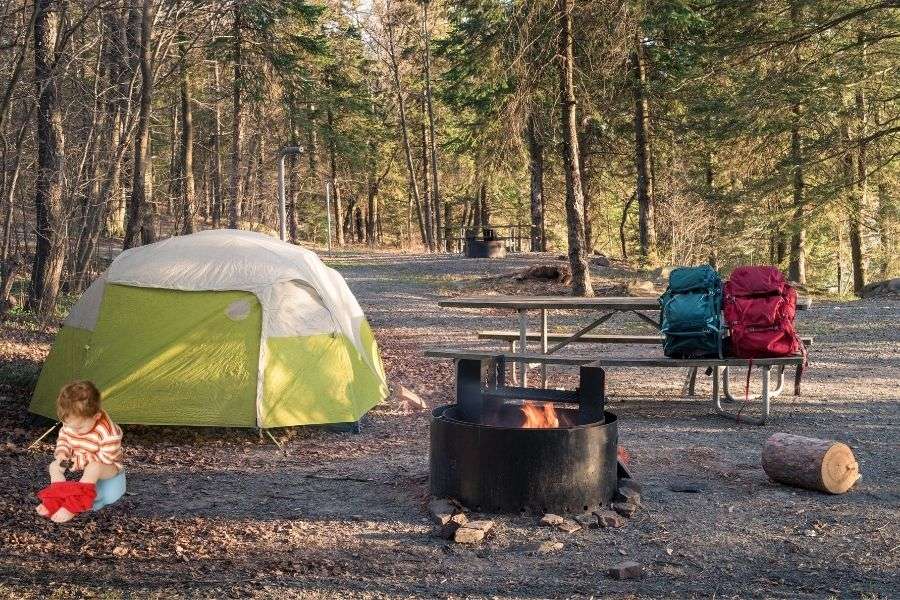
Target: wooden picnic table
607 305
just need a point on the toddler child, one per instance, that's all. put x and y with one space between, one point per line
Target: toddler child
88 442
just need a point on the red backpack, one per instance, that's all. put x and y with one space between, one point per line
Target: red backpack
759 310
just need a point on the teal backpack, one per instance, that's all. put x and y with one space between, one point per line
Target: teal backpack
691 313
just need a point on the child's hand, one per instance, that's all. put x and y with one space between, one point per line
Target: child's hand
57 470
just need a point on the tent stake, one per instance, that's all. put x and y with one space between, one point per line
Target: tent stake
46 433
277 443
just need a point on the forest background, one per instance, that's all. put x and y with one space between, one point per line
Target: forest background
657 131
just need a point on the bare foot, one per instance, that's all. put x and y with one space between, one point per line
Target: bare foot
42 510
63 515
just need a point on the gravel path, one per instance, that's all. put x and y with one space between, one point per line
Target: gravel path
222 513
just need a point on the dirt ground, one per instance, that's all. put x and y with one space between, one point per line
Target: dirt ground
223 513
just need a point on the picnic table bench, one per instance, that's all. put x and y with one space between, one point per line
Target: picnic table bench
513 337
471 364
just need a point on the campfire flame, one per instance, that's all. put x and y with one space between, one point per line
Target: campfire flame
539 416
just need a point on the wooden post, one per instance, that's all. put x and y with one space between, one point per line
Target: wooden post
810 463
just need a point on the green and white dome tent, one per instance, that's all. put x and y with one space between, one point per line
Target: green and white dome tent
219 328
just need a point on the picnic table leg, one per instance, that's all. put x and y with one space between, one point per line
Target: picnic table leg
726 386
523 345
544 346
690 383
797 377
766 404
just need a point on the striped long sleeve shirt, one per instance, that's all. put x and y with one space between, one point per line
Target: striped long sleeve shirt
103 444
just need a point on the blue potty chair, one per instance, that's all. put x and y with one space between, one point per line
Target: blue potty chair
109 491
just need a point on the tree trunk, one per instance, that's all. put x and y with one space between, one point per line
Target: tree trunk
404 131
484 204
10 191
186 169
476 213
237 130
426 190
797 260
810 463
174 166
536 169
119 71
432 133
138 212
312 142
335 190
48 188
124 27
358 223
797 264
584 148
218 195
581 280
860 209
293 180
622 223
642 154
372 210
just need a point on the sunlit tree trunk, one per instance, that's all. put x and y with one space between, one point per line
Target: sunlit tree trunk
860 212
335 190
797 260
581 280
426 190
642 157
186 168
218 196
432 133
584 151
404 131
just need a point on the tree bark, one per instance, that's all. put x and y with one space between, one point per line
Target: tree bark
139 215
404 131
642 153
186 168
860 209
312 142
536 169
810 463
484 204
584 151
622 223
372 210
426 190
218 195
581 280
432 133
293 195
335 190
117 100
48 188
797 259
237 130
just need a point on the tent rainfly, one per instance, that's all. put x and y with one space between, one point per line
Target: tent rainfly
219 328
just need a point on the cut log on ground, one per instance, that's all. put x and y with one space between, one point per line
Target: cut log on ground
814 464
